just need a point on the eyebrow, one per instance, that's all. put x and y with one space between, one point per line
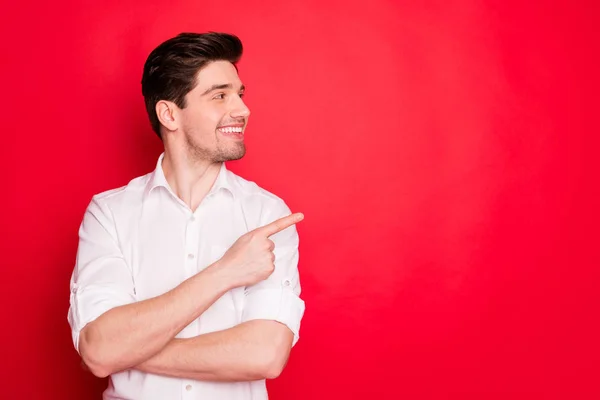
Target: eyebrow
220 87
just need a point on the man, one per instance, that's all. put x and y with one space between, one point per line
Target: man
186 282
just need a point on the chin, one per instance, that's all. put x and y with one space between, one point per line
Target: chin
231 154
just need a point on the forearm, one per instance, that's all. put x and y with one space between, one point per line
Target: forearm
128 335
250 351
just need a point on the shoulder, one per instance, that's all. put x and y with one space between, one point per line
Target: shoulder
122 198
249 192
260 206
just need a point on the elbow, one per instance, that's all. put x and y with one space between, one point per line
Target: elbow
275 360
91 354
273 371
271 368
98 371
271 349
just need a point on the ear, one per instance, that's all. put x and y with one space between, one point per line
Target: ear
166 111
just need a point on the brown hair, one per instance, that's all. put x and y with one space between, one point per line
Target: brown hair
171 69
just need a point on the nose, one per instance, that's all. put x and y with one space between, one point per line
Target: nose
240 110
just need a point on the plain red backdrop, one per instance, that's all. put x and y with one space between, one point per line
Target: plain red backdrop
444 154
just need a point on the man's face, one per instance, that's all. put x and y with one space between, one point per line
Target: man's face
215 115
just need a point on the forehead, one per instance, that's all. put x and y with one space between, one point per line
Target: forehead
217 73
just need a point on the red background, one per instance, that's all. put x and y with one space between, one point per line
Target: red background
444 154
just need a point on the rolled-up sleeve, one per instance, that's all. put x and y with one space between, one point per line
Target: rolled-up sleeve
101 279
278 297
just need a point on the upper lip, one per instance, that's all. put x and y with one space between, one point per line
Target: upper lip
232 126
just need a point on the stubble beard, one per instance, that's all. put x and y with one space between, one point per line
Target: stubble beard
222 153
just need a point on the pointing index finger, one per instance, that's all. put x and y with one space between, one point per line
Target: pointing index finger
280 224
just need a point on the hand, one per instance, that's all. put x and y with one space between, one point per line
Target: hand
251 259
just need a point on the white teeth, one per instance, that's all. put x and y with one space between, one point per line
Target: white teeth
231 129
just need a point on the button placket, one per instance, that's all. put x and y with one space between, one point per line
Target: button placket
191 245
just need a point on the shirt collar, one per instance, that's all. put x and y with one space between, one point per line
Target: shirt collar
157 178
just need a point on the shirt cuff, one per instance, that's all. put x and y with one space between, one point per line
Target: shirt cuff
281 305
91 302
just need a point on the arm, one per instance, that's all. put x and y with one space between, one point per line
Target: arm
250 351
111 330
259 347
127 335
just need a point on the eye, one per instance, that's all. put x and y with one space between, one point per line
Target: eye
219 96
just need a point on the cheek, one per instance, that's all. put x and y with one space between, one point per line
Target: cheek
202 123
209 119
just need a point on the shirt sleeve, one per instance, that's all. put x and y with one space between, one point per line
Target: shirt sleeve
278 297
101 279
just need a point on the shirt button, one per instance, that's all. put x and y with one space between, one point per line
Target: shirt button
188 387
190 256
286 282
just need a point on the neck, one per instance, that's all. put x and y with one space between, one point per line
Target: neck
190 179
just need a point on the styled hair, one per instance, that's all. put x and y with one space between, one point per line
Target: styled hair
171 68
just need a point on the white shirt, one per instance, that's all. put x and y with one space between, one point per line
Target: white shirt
141 240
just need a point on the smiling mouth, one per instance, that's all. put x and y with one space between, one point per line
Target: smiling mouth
233 132
231 129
